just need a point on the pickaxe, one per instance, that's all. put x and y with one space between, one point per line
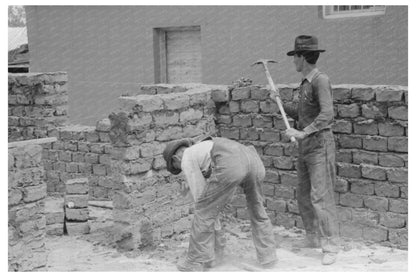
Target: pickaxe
271 83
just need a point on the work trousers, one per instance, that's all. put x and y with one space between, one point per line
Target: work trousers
233 164
315 191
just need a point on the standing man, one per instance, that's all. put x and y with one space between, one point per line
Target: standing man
314 113
213 169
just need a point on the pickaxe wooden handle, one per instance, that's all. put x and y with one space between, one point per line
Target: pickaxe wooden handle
271 83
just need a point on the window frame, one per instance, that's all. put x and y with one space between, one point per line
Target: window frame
329 13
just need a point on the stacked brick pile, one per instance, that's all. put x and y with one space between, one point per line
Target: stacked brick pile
371 134
81 151
76 206
27 191
145 196
55 215
37 104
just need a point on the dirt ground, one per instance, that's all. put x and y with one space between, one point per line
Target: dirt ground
95 252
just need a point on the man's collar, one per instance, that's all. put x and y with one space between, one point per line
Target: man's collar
311 75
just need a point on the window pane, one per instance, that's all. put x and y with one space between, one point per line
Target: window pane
344 8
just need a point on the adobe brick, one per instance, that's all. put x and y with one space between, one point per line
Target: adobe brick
349 111
165 117
351 200
390 129
292 206
397 175
288 179
392 220
362 187
388 95
268 189
151 149
374 111
77 228
83 146
72 167
91 158
342 126
249 134
65 156
376 203
375 234
104 159
272 176
341 94
190 115
76 186
365 217
218 95
259 93
263 121
78 200
249 106
97 148
398 206
373 172
284 219
387 189
267 160
273 136
169 133
283 162
398 112
397 144
403 192
242 120
350 141
223 119
268 106
240 93
348 170
284 191
344 156
76 214
341 185
375 143
231 133
274 149
234 106
362 94
399 237
361 156
92 137
368 127
99 169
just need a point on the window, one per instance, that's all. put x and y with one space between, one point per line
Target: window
352 11
177 55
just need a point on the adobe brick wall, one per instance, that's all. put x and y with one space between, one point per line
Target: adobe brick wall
37 104
80 151
26 206
372 161
370 129
145 195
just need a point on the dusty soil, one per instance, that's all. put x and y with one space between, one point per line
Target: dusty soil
95 252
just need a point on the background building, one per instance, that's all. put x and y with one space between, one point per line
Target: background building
110 50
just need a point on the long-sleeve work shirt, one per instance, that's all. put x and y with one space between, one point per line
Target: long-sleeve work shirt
314 111
196 163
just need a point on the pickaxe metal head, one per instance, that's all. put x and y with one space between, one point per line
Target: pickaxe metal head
264 62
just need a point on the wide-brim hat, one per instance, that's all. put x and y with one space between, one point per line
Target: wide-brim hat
305 43
170 150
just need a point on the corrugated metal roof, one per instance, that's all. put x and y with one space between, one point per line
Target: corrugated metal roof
17 37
